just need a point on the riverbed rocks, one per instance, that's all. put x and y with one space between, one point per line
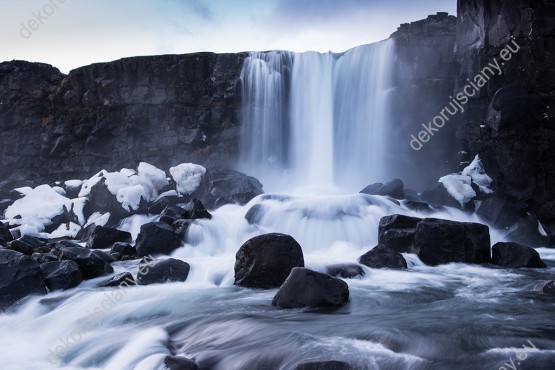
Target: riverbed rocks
92 263
397 232
61 275
514 255
20 276
104 237
266 260
307 288
156 238
383 257
393 189
162 271
443 241
179 363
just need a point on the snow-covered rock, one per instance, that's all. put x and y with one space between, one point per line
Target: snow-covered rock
476 171
187 177
459 187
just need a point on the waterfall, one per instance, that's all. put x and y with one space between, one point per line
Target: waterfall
318 119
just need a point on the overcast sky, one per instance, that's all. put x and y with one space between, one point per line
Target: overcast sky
73 33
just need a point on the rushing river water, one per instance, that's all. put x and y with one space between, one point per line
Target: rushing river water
453 316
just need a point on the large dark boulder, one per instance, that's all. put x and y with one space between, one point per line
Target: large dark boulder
265 261
20 276
381 257
104 237
307 288
324 365
156 238
229 186
61 274
162 271
394 189
515 255
191 211
397 232
443 241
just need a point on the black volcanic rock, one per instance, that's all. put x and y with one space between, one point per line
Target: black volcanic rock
61 274
515 255
265 261
307 288
394 189
443 241
104 237
230 187
510 123
108 115
20 276
162 271
397 233
156 238
382 257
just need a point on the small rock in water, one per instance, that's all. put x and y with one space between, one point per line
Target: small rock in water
307 288
265 261
516 256
547 287
125 279
125 250
381 257
162 271
345 270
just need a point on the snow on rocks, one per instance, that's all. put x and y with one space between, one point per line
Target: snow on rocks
188 177
40 206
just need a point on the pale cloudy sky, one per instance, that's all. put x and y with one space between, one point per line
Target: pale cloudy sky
73 33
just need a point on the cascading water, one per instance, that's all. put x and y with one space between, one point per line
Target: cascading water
316 119
326 122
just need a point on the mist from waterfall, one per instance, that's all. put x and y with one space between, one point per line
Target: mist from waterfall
317 120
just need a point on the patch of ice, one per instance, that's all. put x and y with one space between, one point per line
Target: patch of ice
476 171
459 186
99 219
128 172
187 176
169 193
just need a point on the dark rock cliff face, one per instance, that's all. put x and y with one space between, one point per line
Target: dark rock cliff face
510 123
164 110
425 76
